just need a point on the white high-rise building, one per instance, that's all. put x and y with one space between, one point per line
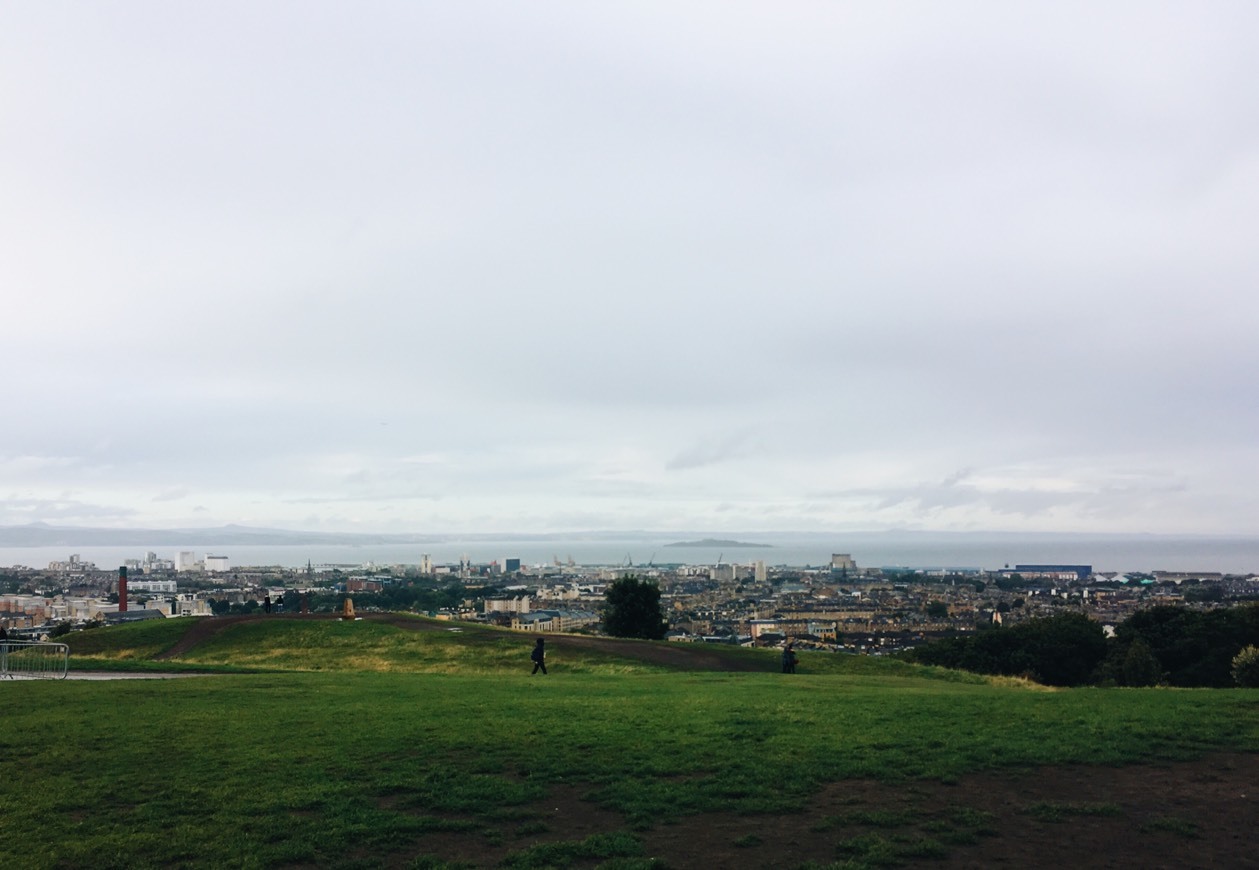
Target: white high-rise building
842 562
185 560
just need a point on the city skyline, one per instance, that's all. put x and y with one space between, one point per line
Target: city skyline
491 268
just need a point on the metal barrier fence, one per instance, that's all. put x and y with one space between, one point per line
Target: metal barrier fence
47 660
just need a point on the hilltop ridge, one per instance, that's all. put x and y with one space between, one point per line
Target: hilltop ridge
718 542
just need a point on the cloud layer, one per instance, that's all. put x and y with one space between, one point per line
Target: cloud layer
490 267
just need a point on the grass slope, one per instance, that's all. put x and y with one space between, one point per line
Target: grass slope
378 767
418 645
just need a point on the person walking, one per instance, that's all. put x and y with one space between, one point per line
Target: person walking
266 603
539 657
789 659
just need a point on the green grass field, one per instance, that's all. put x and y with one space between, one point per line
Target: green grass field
361 743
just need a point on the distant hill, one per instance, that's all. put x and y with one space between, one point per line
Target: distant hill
717 542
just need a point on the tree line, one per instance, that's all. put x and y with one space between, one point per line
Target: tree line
1164 645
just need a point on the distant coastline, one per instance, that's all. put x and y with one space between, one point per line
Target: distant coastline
1143 554
40 544
717 542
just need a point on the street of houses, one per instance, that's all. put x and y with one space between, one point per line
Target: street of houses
839 607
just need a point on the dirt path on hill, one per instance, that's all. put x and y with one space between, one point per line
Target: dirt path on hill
207 627
683 656
687 657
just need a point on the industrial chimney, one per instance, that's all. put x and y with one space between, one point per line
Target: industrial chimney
122 589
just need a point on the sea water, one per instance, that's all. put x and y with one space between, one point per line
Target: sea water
1234 555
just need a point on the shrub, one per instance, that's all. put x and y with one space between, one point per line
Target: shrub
1246 668
1140 667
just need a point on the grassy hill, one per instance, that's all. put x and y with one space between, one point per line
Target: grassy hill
403 643
386 743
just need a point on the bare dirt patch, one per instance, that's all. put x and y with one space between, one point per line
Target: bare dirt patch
1183 815
210 626
694 657
564 815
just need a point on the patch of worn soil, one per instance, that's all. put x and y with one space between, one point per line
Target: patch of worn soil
208 626
695 657
1184 815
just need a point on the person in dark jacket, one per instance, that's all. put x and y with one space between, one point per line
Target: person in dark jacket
538 656
789 660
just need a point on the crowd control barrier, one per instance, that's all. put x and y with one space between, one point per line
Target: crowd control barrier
48 661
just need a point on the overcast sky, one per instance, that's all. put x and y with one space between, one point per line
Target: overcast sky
400 266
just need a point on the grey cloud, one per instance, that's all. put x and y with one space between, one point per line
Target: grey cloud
67 509
370 498
712 451
635 267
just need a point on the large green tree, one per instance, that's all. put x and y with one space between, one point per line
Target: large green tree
1193 647
633 609
1061 650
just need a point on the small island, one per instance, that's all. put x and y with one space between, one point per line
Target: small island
716 542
